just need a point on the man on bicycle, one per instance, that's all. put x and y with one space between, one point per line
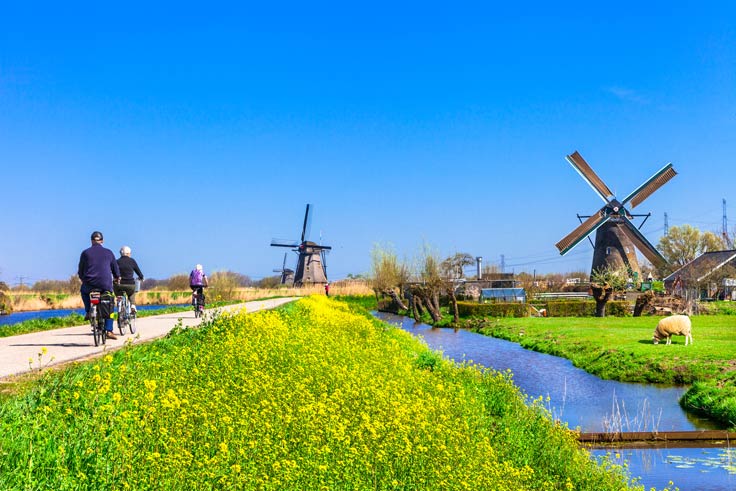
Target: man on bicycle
197 281
128 266
97 268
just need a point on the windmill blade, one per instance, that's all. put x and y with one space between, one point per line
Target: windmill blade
324 259
582 231
650 185
641 243
284 243
586 172
307 223
283 267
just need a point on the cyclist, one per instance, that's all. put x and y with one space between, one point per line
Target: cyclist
97 269
128 266
197 282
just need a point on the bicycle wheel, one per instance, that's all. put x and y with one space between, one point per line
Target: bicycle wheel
122 315
93 323
197 312
131 322
103 331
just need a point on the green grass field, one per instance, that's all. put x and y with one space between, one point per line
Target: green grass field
620 348
317 395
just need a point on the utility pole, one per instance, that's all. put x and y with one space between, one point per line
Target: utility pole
666 225
503 264
724 232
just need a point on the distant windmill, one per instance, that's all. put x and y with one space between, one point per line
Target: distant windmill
312 264
616 236
287 275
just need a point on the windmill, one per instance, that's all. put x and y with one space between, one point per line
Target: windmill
616 236
287 275
311 265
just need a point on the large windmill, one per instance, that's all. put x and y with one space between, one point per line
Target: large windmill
616 236
287 274
311 267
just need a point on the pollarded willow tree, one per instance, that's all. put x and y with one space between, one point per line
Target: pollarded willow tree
604 282
389 275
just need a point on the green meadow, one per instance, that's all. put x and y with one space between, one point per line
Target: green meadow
621 348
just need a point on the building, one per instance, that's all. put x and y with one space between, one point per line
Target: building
711 275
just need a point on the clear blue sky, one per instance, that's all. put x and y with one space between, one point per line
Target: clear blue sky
197 132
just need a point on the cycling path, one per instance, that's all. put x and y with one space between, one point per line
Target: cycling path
20 354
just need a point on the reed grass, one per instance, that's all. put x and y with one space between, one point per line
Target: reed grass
30 300
312 396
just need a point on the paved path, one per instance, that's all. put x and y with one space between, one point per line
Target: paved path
72 343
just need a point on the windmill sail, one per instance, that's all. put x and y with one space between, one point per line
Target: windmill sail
650 186
581 232
644 246
580 165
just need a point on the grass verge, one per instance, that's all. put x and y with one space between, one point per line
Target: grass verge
316 395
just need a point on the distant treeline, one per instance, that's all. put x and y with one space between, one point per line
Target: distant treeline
174 283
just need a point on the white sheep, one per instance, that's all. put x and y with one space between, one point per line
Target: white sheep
678 325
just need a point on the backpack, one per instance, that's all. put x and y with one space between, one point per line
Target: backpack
196 278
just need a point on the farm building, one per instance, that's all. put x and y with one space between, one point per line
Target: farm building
711 275
503 295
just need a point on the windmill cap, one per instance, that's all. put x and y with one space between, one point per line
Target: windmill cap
96 235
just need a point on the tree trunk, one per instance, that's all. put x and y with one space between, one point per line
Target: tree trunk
428 297
601 295
416 307
395 297
453 303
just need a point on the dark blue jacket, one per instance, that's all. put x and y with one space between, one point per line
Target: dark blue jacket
97 266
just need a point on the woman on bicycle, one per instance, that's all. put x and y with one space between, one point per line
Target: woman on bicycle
197 281
128 266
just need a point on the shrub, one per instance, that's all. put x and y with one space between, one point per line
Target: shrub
585 308
499 309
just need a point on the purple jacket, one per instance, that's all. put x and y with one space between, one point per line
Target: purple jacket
97 266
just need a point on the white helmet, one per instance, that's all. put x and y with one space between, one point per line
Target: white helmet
125 251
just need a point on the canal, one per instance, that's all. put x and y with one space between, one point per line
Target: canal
591 404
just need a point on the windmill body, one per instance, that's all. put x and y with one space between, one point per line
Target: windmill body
311 265
616 236
287 274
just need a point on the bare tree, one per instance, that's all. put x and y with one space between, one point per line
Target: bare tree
389 275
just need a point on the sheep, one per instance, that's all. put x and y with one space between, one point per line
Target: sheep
674 325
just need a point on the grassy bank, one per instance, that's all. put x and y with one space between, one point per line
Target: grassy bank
622 349
312 396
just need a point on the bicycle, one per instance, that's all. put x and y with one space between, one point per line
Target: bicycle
99 310
126 315
198 302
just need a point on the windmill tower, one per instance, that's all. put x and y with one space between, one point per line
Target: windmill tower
311 266
616 236
287 275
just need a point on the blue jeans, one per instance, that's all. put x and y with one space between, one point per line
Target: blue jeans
85 299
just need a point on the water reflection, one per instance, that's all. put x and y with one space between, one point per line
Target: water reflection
592 404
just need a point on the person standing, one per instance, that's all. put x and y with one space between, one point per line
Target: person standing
327 289
97 270
128 267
